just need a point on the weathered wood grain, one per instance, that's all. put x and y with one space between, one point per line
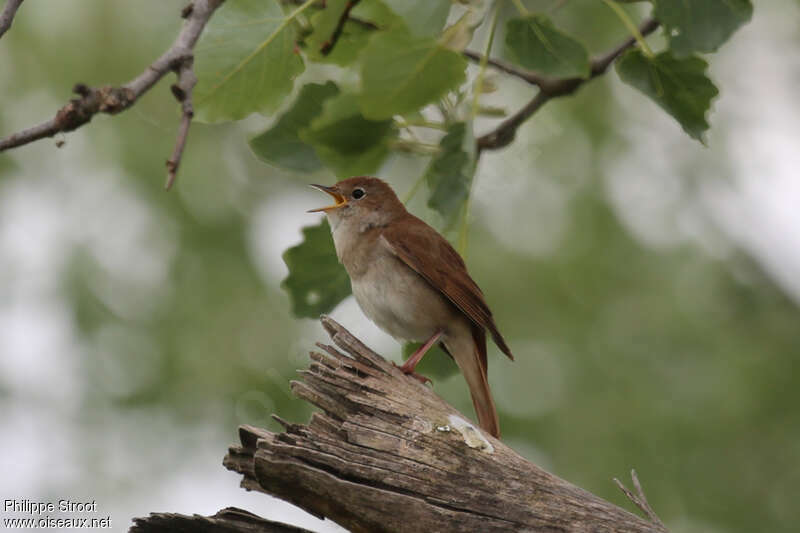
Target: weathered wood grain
386 454
229 520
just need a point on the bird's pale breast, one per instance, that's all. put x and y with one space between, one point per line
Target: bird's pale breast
400 301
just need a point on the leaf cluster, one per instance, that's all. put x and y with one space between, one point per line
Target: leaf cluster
392 67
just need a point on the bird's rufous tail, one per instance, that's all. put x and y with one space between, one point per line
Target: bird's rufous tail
470 355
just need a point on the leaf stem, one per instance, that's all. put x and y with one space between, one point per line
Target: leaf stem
492 111
414 188
463 232
447 108
414 147
420 124
405 126
520 7
299 9
626 20
478 86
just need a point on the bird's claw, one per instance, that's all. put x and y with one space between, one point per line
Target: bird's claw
419 377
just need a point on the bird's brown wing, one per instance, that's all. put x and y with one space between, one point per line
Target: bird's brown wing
413 241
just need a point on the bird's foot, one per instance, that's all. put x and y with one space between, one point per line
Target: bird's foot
410 372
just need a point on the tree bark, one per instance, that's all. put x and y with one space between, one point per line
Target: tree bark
386 454
229 520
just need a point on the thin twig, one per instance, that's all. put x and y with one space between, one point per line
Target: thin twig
183 93
530 76
7 15
640 500
112 100
521 8
328 45
414 188
549 88
477 88
322 4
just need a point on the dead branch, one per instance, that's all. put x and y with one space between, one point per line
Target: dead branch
7 15
112 100
229 520
183 93
386 454
640 500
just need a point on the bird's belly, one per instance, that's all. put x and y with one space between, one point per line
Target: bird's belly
400 301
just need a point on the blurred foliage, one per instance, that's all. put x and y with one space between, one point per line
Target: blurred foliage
315 264
667 359
401 73
281 145
450 173
348 142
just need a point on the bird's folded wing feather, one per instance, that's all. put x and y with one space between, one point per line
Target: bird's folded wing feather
411 242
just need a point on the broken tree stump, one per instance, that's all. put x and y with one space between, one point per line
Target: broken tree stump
386 454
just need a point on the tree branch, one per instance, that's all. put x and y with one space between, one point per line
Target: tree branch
534 78
7 15
549 88
386 454
322 4
228 520
112 100
337 32
183 93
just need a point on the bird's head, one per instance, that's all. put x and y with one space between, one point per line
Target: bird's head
370 201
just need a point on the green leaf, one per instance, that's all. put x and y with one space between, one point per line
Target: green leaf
317 282
281 144
347 142
679 86
449 175
401 73
377 13
535 43
435 365
701 25
423 18
350 43
245 61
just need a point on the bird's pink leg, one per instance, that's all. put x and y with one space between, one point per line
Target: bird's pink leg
412 362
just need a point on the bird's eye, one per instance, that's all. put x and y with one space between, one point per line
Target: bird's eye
358 193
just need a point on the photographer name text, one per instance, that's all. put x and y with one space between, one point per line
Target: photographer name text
39 514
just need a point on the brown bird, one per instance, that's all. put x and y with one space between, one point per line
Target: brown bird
412 283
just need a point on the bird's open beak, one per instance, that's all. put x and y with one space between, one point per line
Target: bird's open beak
337 197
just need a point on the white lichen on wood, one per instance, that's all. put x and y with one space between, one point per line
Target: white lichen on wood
473 437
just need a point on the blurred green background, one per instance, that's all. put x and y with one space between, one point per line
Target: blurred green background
647 285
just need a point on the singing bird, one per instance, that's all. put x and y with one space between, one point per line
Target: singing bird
409 281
